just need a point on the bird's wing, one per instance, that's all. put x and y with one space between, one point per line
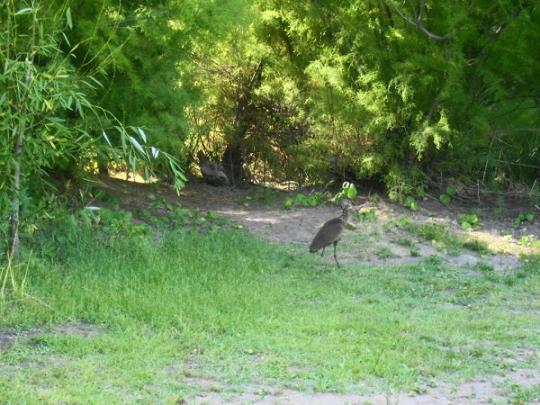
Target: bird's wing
329 233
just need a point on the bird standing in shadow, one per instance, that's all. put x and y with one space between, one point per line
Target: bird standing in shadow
331 231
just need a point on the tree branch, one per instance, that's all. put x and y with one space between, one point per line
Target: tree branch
417 22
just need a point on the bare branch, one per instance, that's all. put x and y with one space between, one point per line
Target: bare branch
418 23
432 35
421 10
402 15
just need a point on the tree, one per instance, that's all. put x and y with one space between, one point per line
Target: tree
393 88
44 112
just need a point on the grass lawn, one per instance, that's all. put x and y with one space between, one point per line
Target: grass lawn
223 305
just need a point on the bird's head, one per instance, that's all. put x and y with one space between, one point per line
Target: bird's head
345 204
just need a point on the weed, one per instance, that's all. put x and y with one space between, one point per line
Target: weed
310 200
468 221
410 203
374 198
414 252
476 245
348 190
483 267
260 195
529 240
441 236
409 243
523 217
438 233
446 197
524 395
368 215
384 252
404 241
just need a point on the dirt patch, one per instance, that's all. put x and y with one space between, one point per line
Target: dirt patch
372 242
376 241
492 389
9 337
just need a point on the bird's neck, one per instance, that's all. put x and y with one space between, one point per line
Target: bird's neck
345 215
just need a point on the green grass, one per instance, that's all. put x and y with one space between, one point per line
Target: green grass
384 252
524 395
442 235
408 243
226 306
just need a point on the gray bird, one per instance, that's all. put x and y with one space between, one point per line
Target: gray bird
331 231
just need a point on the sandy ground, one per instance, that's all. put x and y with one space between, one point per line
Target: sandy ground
372 242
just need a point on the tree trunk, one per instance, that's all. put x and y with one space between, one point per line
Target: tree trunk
14 241
232 164
103 167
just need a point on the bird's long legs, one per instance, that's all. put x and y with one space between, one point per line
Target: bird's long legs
322 253
335 257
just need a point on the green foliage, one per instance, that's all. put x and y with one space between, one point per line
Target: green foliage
348 190
483 267
260 195
521 394
420 191
311 200
523 217
468 221
446 105
529 240
368 215
409 243
304 91
410 203
48 118
446 197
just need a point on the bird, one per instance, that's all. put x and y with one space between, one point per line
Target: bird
331 231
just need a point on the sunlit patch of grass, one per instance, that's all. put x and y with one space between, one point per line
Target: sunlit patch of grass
442 236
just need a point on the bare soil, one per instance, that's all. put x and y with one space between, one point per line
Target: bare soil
489 390
371 242
9 337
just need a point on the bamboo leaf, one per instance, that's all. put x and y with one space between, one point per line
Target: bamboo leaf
106 138
137 145
143 135
68 18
